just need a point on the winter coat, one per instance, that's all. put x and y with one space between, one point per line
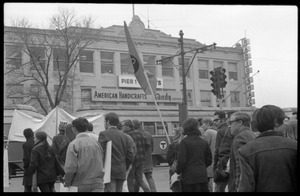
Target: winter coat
43 162
27 148
148 165
269 164
123 151
194 156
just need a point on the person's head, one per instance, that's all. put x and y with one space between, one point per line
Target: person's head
269 117
219 118
238 121
62 127
228 114
119 126
40 136
69 134
80 124
178 134
136 124
28 133
90 127
207 123
190 127
111 119
253 123
200 121
127 125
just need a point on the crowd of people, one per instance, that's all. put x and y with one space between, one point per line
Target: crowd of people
231 150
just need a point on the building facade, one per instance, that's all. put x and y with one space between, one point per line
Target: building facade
105 79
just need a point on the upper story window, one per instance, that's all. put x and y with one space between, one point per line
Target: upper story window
59 59
13 56
186 67
232 71
126 66
167 67
107 62
203 69
235 99
37 57
149 63
86 62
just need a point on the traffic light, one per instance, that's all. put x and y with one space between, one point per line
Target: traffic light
222 78
214 84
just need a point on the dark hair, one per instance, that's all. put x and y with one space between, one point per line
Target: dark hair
81 124
136 124
244 117
28 133
268 117
112 118
253 122
42 136
200 121
90 127
119 126
190 127
221 114
128 123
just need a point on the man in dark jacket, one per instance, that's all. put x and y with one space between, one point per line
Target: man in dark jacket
240 130
269 162
219 121
27 148
122 152
58 139
194 156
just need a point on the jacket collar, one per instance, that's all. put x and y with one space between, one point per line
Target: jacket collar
270 133
224 124
241 130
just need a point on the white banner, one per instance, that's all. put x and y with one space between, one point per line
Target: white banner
48 124
107 163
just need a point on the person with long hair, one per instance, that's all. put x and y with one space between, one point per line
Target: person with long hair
194 156
42 161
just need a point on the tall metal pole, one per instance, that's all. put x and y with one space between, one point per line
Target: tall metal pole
183 112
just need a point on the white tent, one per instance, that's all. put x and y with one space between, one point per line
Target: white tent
48 124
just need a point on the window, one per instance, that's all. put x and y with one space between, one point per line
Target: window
107 62
232 71
218 64
149 63
150 127
126 66
37 57
235 99
15 93
203 69
160 128
86 95
59 59
86 63
186 66
205 97
13 56
167 67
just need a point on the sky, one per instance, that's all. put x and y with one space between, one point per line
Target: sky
272 30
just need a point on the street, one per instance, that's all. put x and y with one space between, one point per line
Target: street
160 175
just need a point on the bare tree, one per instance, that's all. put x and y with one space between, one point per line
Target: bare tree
62 45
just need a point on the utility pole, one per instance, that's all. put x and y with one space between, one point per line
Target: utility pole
183 112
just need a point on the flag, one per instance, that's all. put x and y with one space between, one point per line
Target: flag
141 75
